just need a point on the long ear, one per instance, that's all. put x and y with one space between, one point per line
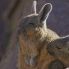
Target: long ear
45 11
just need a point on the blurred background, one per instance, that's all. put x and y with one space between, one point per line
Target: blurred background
11 11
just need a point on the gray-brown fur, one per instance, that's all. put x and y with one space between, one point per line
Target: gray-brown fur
34 36
56 65
60 49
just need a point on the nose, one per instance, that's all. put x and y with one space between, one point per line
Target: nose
32 61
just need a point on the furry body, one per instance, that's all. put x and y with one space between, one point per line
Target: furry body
34 38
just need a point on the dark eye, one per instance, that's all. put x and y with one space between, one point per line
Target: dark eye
58 47
31 24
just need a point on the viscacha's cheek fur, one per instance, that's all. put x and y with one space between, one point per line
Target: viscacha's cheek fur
29 51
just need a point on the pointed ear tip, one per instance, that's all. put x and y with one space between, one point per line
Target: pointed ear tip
48 4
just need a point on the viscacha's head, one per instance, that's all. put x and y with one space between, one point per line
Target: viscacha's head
35 24
31 29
